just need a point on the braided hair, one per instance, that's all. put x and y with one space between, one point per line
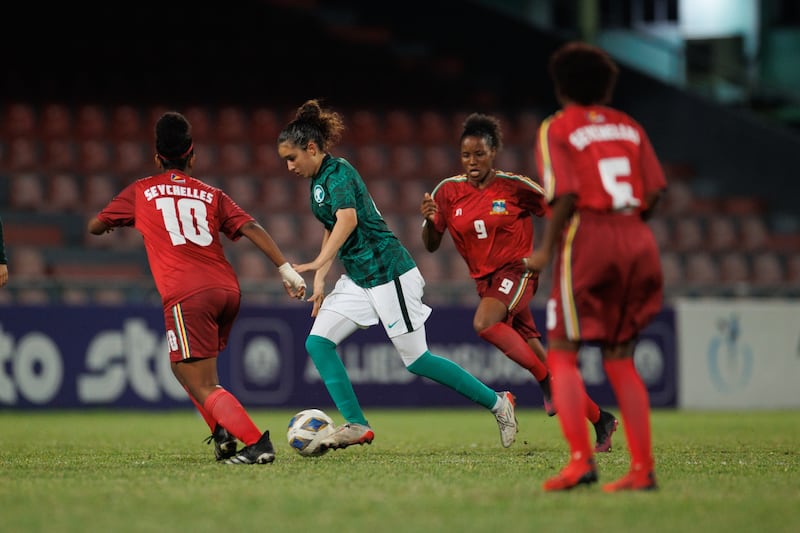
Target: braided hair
174 145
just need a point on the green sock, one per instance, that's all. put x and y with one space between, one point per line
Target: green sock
448 373
334 375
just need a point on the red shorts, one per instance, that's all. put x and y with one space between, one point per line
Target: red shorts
514 286
607 280
200 325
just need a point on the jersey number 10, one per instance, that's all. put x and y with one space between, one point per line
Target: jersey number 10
185 219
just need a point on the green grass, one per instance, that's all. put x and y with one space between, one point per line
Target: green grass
428 470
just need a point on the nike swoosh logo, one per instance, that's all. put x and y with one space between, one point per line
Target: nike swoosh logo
393 324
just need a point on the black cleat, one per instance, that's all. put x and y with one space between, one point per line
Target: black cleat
261 453
224 443
605 427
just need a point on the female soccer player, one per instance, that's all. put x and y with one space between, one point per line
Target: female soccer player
489 215
382 282
603 180
181 219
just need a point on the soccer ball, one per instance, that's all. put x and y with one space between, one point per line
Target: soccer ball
306 429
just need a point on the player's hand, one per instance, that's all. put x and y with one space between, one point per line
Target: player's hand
537 261
428 207
294 282
316 299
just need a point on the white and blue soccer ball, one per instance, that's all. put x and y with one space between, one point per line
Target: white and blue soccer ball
307 429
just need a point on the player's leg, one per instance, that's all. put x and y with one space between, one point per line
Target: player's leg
634 405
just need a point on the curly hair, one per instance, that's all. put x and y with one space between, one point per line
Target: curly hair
484 126
583 73
313 123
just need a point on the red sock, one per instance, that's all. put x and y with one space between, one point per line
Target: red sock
634 406
514 346
226 409
592 410
207 417
569 398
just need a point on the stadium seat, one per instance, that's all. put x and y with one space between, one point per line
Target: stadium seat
371 161
232 125
28 264
661 231
95 156
701 269
23 155
434 128
754 233
91 122
64 193
768 269
27 192
203 123
132 159
265 125
363 127
384 192
404 162
734 267
439 162
672 267
56 122
128 125
267 164
688 234
234 159
722 233
59 155
400 127
244 190
20 120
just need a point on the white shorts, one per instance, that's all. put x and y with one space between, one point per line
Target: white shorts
397 304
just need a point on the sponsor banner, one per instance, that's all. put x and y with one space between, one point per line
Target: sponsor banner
69 357
738 354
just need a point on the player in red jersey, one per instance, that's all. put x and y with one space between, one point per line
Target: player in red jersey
603 180
181 219
489 215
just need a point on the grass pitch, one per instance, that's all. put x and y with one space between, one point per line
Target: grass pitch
427 471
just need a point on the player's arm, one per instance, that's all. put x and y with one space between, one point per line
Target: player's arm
98 227
431 238
561 210
294 282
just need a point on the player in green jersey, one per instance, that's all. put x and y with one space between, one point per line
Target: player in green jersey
381 282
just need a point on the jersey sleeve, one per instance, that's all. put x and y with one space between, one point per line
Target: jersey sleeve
120 211
553 161
532 197
232 217
439 196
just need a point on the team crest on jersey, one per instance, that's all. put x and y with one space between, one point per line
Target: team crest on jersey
177 178
319 194
499 207
595 117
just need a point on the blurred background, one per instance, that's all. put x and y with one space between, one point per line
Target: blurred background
716 84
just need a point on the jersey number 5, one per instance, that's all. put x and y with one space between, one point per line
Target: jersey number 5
621 192
185 219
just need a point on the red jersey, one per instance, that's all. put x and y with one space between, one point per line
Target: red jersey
600 154
491 227
180 219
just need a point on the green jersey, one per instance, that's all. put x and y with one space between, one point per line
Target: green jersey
372 255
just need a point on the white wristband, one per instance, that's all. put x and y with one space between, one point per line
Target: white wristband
291 277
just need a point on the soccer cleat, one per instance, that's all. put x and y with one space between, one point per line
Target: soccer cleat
347 435
633 480
549 408
605 426
261 453
577 472
224 443
507 419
